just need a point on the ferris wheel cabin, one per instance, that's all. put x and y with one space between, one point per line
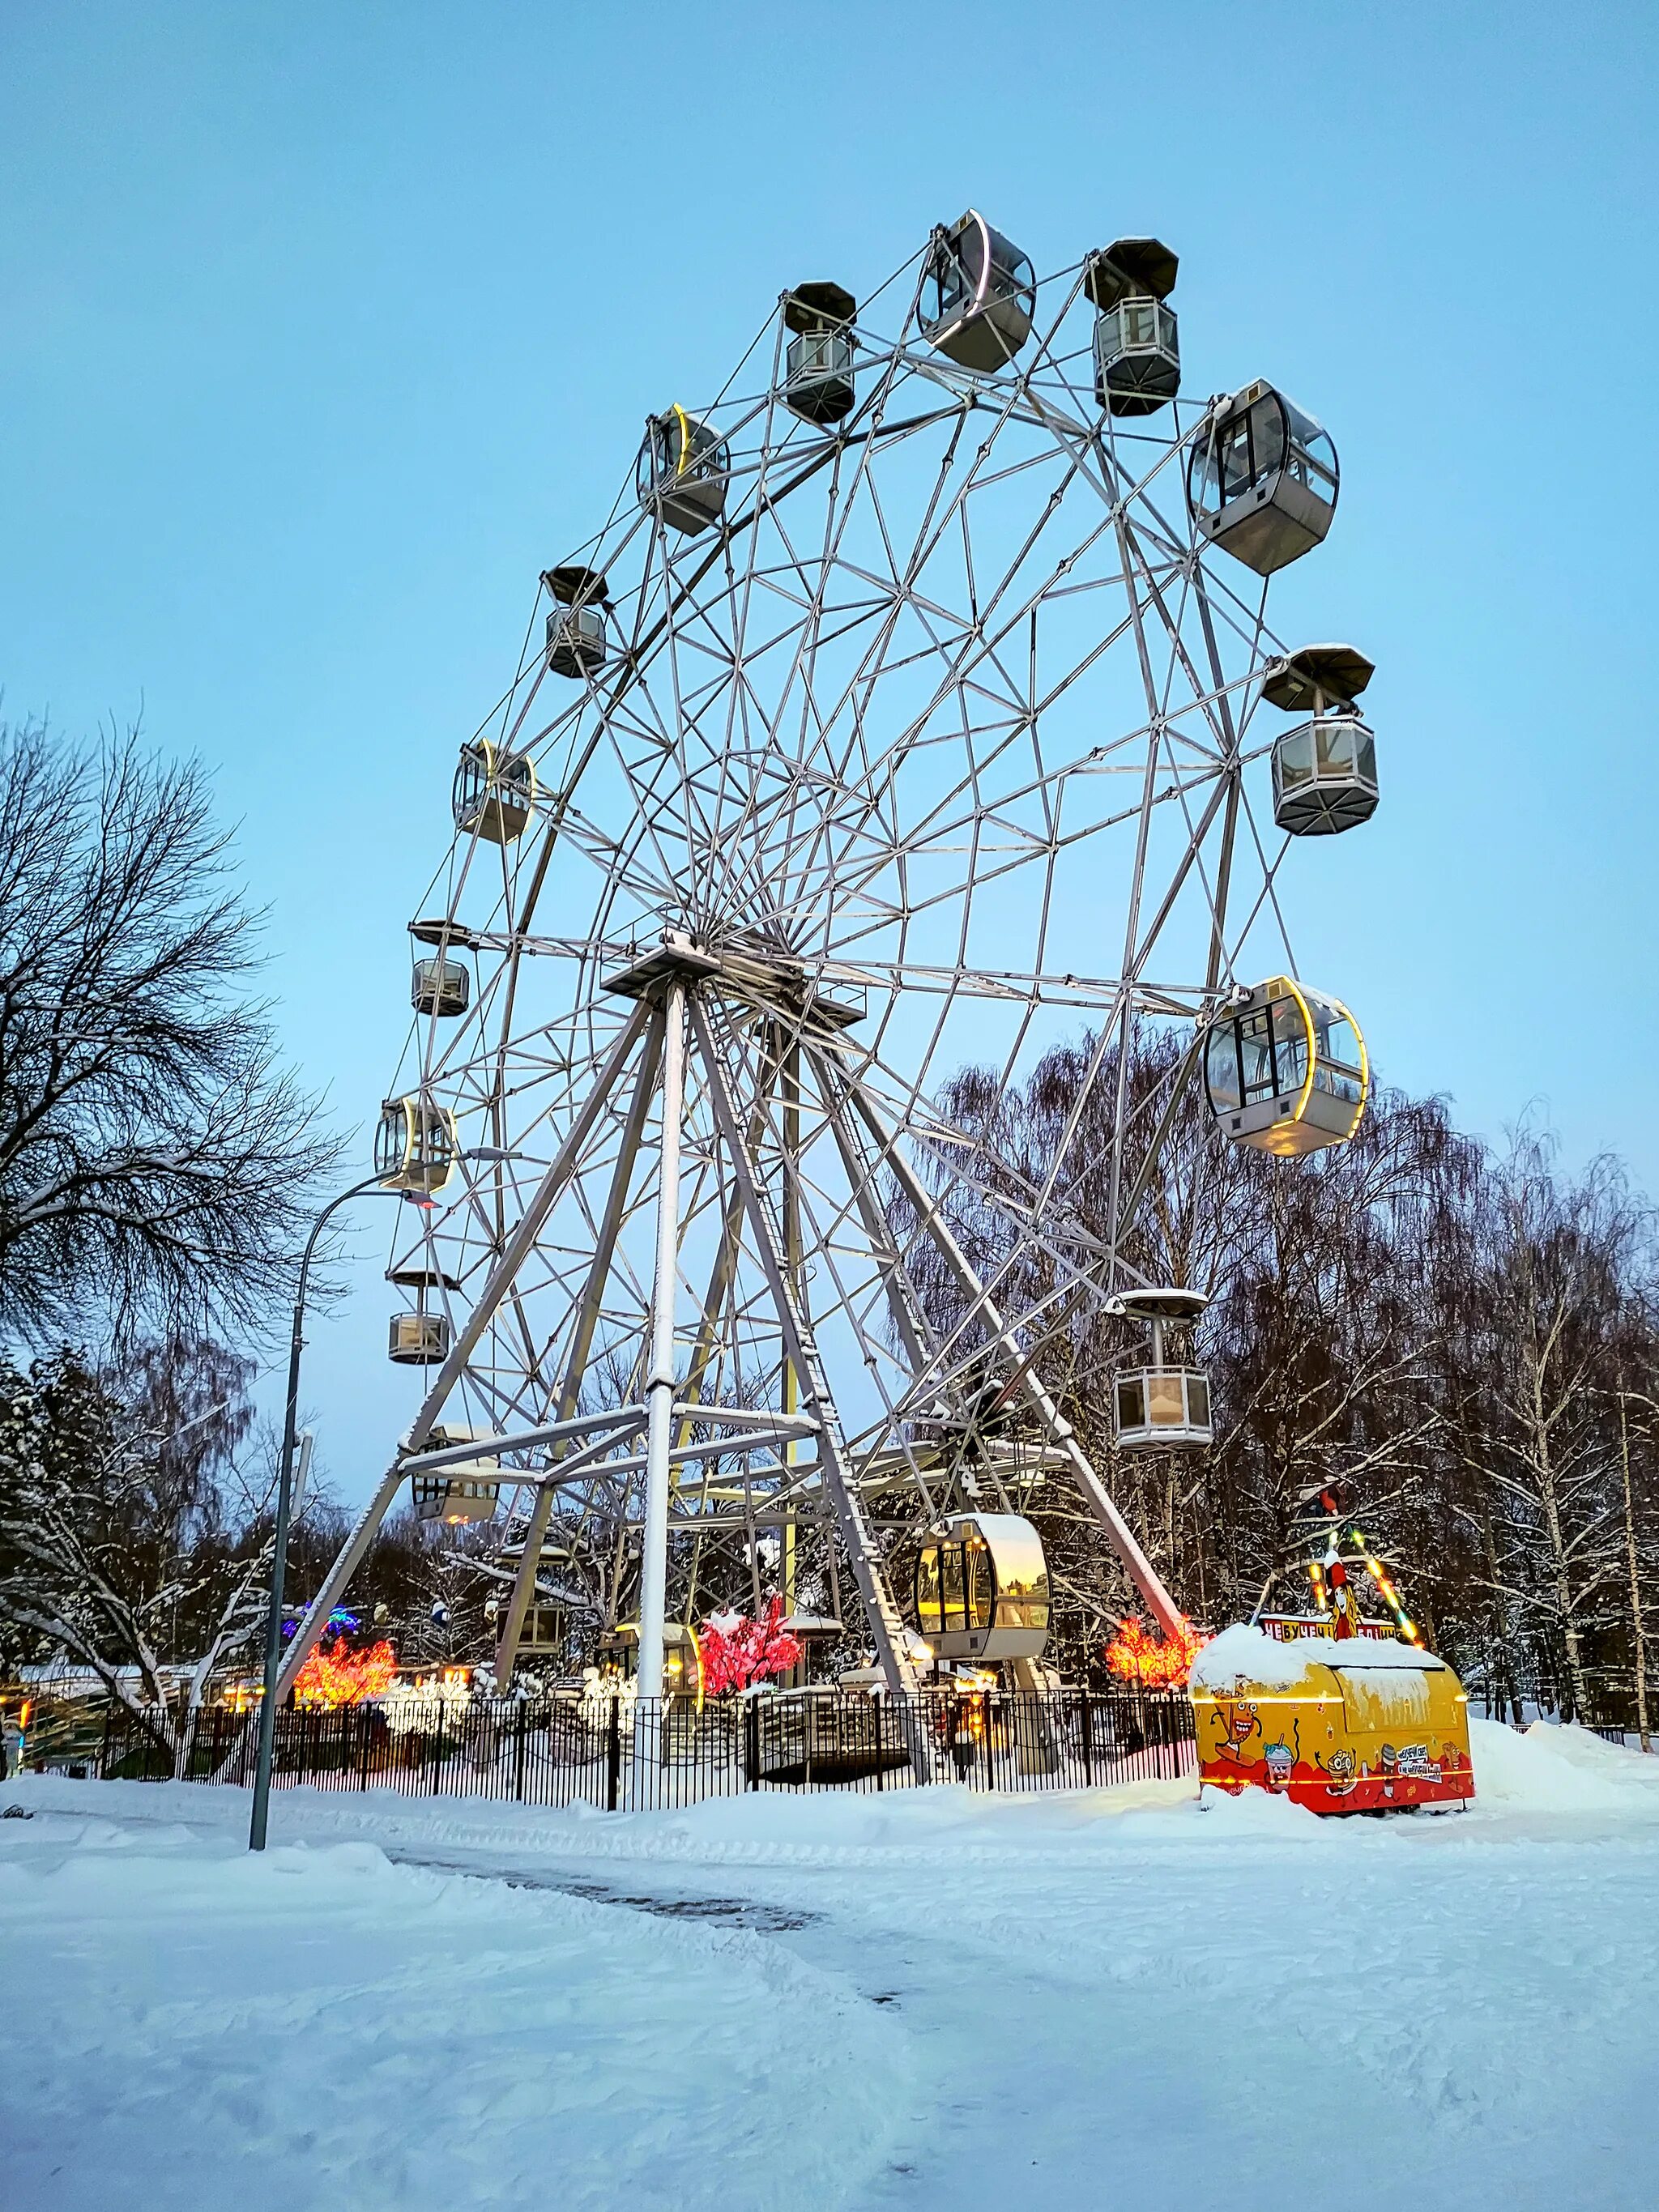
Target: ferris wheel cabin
978 295
1325 768
1261 479
415 1145
495 792
466 1490
1286 1070
577 645
422 1338
439 985
1137 349
817 376
1164 1405
683 470
981 1588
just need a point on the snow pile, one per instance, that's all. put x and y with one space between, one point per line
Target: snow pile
1244 1654
320 2025
1553 1769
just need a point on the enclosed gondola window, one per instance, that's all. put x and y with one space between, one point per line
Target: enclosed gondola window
438 1497
415 1145
981 1588
1136 345
495 792
1262 479
818 359
1286 1070
683 470
1324 770
978 295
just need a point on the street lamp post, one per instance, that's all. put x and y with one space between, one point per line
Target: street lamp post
256 1841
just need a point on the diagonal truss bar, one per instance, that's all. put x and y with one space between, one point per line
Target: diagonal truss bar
502 1278
587 1317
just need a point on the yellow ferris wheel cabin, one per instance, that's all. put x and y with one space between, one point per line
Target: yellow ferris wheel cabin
1287 1069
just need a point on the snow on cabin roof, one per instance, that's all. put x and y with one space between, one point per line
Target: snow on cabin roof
1244 1654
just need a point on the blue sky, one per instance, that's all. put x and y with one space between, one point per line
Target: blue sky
326 328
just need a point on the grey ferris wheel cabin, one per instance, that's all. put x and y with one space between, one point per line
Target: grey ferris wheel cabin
1286 1070
1325 768
438 986
1164 1404
1261 479
495 792
817 374
1137 349
415 1145
978 295
981 1588
421 1338
576 642
683 470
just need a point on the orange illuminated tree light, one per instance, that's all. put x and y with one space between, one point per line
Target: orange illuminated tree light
340 1676
1153 1662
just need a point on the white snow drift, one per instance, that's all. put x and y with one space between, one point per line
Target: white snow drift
938 1999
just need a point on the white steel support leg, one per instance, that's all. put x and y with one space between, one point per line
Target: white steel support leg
886 1624
659 1380
587 1315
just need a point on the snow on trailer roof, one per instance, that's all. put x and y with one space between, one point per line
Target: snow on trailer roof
1244 1654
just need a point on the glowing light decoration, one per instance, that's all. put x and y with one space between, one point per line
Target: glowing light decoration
1155 1662
1407 1627
337 1675
736 1651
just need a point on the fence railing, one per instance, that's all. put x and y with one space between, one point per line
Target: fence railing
1610 1705
618 1754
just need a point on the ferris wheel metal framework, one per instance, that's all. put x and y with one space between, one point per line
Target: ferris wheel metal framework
832 809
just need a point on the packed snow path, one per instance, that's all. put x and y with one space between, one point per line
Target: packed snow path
923 1999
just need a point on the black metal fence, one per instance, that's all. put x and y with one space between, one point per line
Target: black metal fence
1610 1705
619 1755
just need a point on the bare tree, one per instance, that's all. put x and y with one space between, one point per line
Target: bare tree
156 1163
1543 1317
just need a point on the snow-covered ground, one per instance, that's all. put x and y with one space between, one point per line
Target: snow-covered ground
923 1999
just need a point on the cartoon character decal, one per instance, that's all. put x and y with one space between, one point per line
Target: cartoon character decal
1240 1721
1345 1621
1342 1773
1279 1760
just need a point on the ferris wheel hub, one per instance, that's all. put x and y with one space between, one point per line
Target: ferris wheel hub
676 960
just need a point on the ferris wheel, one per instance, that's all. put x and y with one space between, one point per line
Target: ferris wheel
905 713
